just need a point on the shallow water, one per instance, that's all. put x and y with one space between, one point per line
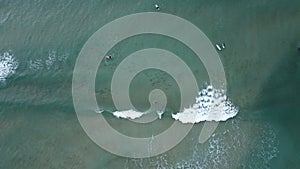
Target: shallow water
39 127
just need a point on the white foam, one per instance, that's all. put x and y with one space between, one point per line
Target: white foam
234 145
99 111
160 113
131 114
8 66
211 105
52 62
36 64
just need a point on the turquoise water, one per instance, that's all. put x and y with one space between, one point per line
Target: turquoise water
39 127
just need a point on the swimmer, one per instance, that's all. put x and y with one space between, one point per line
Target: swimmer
223 46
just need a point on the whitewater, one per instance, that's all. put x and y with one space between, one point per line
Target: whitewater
211 104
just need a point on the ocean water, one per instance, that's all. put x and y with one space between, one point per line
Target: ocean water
41 40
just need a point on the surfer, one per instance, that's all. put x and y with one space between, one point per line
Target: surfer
156 7
220 46
108 57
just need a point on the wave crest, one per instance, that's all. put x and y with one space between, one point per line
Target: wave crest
8 66
211 105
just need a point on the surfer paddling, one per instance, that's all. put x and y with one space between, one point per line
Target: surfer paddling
108 57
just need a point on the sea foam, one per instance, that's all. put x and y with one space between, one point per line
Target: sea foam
211 104
128 114
53 61
233 146
8 66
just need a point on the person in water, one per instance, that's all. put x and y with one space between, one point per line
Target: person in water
108 57
157 7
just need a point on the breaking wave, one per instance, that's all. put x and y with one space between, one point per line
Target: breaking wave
131 114
210 105
8 66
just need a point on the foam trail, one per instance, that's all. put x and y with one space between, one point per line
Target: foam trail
230 147
207 131
8 66
131 114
